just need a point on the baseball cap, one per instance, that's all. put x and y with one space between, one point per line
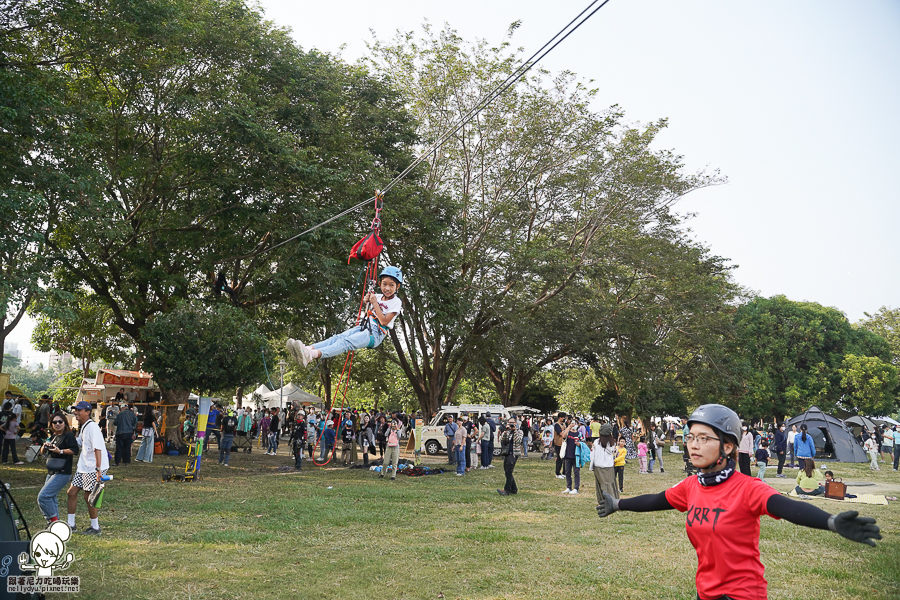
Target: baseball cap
83 405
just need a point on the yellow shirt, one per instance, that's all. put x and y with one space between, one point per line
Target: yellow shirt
595 429
620 458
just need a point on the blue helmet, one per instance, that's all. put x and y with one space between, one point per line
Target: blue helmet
392 272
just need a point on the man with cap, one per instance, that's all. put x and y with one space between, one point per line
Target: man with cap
92 465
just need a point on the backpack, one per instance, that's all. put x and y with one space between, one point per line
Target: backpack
367 248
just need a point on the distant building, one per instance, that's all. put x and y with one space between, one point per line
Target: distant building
12 349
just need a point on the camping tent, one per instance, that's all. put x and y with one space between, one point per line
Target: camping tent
833 440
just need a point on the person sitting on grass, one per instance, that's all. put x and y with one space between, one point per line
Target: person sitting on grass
376 324
807 484
724 507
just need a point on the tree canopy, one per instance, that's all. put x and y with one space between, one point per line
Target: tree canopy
553 211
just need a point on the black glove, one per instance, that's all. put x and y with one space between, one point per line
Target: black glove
853 527
608 506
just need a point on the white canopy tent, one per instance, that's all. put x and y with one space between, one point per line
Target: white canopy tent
290 393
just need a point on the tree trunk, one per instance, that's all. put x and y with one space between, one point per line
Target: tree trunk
240 396
174 417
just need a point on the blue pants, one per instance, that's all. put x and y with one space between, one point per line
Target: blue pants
48 497
225 447
352 339
460 460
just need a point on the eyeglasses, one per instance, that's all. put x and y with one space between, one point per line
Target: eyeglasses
700 439
58 422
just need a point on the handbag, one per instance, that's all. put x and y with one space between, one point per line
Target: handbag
562 449
836 490
56 464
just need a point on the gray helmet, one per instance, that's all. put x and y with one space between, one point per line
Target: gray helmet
721 418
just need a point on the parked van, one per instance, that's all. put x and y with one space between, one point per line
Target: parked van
433 434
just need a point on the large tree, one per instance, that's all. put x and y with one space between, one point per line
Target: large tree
79 324
200 135
541 190
31 149
793 356
885 323
201 347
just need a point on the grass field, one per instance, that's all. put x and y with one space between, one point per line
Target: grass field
250 531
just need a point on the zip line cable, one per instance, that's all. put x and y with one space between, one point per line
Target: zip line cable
461 122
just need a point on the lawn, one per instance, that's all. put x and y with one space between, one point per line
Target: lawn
250 531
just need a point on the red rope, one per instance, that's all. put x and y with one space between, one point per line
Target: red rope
344 379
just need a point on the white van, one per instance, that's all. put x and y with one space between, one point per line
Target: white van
433 434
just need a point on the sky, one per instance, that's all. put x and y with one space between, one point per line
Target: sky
794 102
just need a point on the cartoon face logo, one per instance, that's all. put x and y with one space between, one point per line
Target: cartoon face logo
48 550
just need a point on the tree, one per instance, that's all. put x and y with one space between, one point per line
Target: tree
200 135
30 139
792 354
870 385
202 348
81 325
885 323
537 189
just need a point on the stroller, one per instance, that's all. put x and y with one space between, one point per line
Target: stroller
243 442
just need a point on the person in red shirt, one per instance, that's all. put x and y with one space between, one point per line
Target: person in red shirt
723 507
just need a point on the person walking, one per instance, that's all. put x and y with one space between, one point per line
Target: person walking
60 448
274 432
871 447
228 426
724 509
126 421
92 466
511 449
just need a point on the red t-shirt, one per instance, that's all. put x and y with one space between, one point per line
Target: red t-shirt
723 526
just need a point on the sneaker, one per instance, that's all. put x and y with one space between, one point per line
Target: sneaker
460 474
567 491
305 353
91 531
503 492
560 476
226 465
662 470
21 463
293 348
780 475
573 492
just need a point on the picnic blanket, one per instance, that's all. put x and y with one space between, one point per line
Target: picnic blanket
860 499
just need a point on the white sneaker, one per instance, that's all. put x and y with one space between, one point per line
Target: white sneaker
560 476
573 492
567 491
293 348
306 351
